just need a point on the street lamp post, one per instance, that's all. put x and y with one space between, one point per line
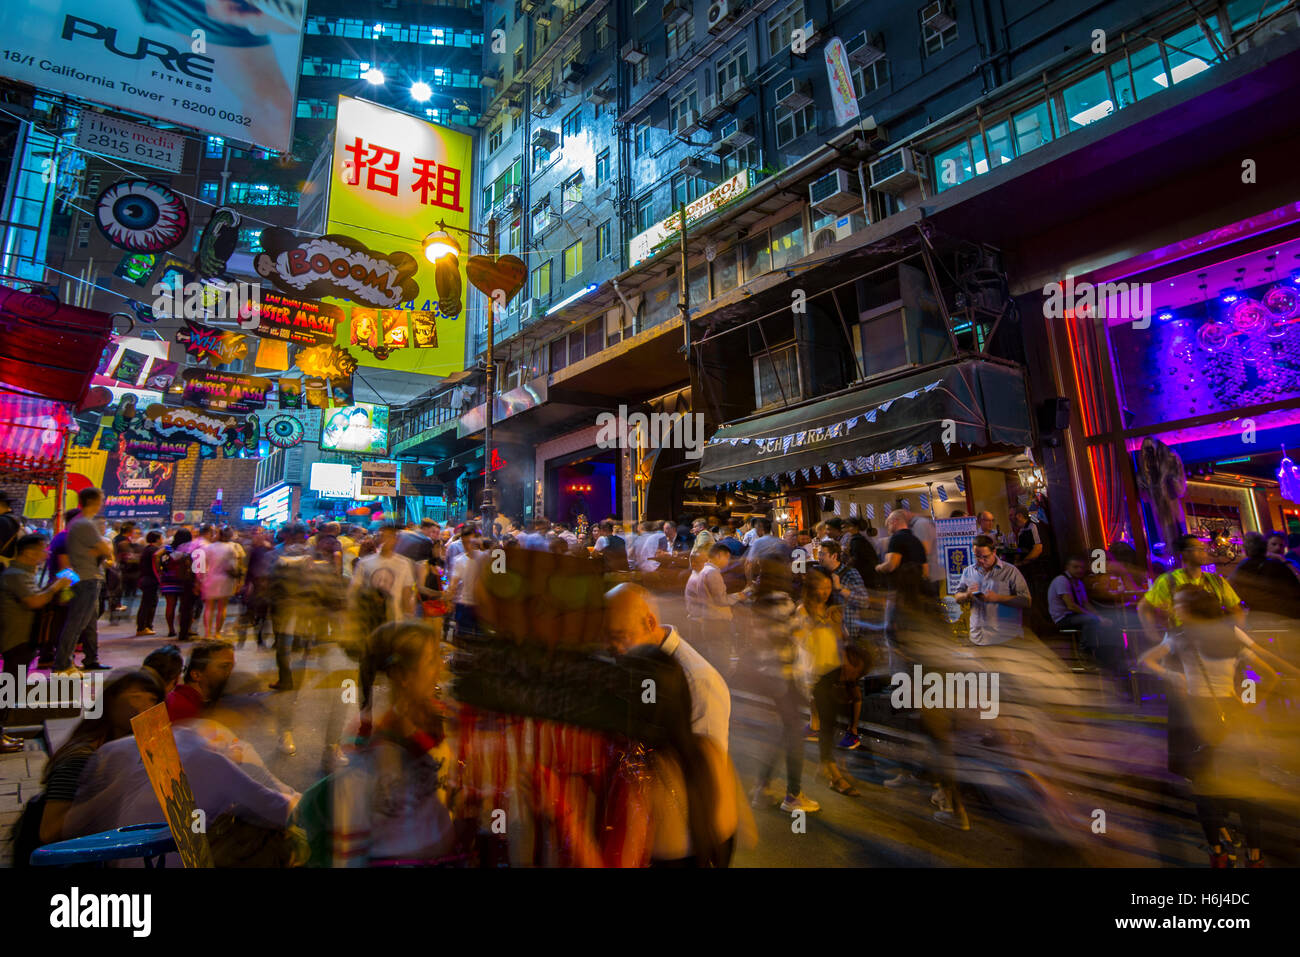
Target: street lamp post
488 507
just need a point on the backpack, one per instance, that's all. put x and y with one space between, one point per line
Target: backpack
10 529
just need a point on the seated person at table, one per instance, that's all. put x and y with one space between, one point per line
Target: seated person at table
1070 608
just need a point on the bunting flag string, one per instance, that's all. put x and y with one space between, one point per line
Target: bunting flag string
836 430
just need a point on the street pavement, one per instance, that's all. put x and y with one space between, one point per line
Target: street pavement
1119 770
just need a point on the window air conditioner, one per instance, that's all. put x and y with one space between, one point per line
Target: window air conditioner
794 95
936 17
894 172
863 50
834 193
721 12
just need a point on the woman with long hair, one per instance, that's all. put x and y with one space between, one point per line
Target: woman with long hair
220 580
391 802
173 578
123 698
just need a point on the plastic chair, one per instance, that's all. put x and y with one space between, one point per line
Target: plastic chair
150 842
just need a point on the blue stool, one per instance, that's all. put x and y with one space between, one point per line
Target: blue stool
147 841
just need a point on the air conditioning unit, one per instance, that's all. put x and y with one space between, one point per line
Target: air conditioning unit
492 80
544 14
512 199
600 94
544 139
733 91
573 72
834 193
865 50
721 12
530 310
810 33
515 105
710 108
691 165
547 101
894 172
677 11
734 135
530 6
828 235
632 53
794 94
687 123
936 17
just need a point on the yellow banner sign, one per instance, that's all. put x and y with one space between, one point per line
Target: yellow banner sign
394 178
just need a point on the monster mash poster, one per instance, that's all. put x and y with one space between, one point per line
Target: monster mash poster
137 488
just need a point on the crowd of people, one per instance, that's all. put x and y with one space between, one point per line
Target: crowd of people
815 622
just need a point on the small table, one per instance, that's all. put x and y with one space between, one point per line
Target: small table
148 841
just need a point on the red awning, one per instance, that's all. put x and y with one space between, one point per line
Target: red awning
32 431
49 349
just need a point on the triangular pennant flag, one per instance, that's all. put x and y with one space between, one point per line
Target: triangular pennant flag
804 472
871 416
837 506
864 464
931 387
853 421
833 469
744 441
847 466
817 471
913 394
793 477
853 509
905 503
884 406
733 442
871 511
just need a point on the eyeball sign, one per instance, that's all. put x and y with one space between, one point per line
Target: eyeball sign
141 216
338 266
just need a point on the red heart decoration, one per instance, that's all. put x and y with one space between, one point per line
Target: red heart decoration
507 273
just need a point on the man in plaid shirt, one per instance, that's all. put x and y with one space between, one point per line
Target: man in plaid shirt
848 590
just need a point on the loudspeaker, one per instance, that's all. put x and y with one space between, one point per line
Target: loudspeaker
828 503
1054 415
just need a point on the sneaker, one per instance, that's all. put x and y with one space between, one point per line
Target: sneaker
72 671
94 666
287 746
954 819
809 734
145 632
939 798
850 741
902 779
799 802
764 795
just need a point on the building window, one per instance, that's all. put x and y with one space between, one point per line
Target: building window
519 60
541 158
787 241
571 125
1033 128
776 376
559 353
934 36
756 257
542 281
734 67
208 191
260 194
679 37
684 108
1088 100
687 189
640 71
573 261
792 124
250 239
868 79
602 168
216 145
645 208
516 232
571 192
780 26
494 139
604 37
603 248
642 137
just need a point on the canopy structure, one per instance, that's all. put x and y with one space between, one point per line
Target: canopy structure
877 427
32 434
47 348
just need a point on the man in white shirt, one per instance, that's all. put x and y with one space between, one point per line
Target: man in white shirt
631 619
390 573
648 545
464 581
748 538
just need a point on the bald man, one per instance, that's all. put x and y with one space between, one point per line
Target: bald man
631 619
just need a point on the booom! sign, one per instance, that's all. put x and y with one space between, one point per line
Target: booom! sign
222 67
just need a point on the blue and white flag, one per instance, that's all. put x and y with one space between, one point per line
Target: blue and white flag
871 511
943 494
853 509
961 483
805 473
925 502
837 506
905 503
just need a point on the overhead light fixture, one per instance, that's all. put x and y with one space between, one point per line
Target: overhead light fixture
438 245
421 91
374 76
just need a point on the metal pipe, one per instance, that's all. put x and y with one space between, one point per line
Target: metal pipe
488 509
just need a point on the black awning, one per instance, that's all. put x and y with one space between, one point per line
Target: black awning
876 427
